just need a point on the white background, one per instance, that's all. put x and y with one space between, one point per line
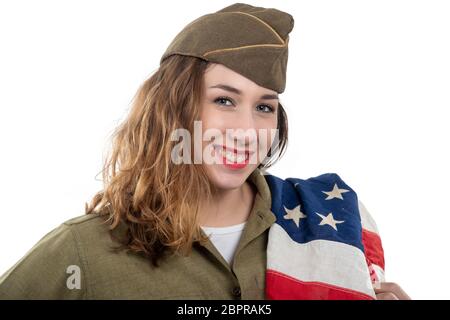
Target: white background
367 97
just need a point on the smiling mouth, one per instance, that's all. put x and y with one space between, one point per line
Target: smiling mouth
233 156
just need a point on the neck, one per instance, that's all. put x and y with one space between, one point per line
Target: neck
228 207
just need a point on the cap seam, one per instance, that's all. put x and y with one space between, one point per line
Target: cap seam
263 22
245 47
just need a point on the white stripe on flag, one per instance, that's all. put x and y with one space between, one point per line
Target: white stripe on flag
367 221
324 261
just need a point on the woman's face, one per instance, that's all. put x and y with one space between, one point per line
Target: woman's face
238 119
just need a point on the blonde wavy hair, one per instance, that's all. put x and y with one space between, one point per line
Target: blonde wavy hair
157 199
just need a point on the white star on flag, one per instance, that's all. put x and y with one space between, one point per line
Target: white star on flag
335 193
294 214
329 220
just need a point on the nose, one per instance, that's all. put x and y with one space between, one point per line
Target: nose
242 131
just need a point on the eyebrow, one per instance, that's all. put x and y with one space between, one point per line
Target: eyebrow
239 92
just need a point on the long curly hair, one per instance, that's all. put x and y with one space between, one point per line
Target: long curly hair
158 200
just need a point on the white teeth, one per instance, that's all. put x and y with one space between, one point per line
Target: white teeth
231 156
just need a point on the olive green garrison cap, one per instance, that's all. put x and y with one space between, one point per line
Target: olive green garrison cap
252 41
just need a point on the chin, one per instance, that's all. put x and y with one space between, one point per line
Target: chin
226 178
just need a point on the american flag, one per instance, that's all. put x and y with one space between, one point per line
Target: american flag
324 243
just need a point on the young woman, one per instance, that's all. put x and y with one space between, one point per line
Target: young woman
198 222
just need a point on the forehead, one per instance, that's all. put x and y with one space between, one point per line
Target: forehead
219 74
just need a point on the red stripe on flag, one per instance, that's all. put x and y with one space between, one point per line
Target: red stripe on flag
373 248
283 287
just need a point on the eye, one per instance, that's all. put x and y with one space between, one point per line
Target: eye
265 108
220 100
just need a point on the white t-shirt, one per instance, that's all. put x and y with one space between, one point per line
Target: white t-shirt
225 239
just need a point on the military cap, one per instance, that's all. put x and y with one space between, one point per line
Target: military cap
252 41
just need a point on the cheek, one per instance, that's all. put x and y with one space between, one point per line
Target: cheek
267 135
212 124
210 117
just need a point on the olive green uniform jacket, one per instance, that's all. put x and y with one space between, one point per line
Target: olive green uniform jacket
75 261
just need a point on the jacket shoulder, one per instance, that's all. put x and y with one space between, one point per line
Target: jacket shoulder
83 219
43 272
